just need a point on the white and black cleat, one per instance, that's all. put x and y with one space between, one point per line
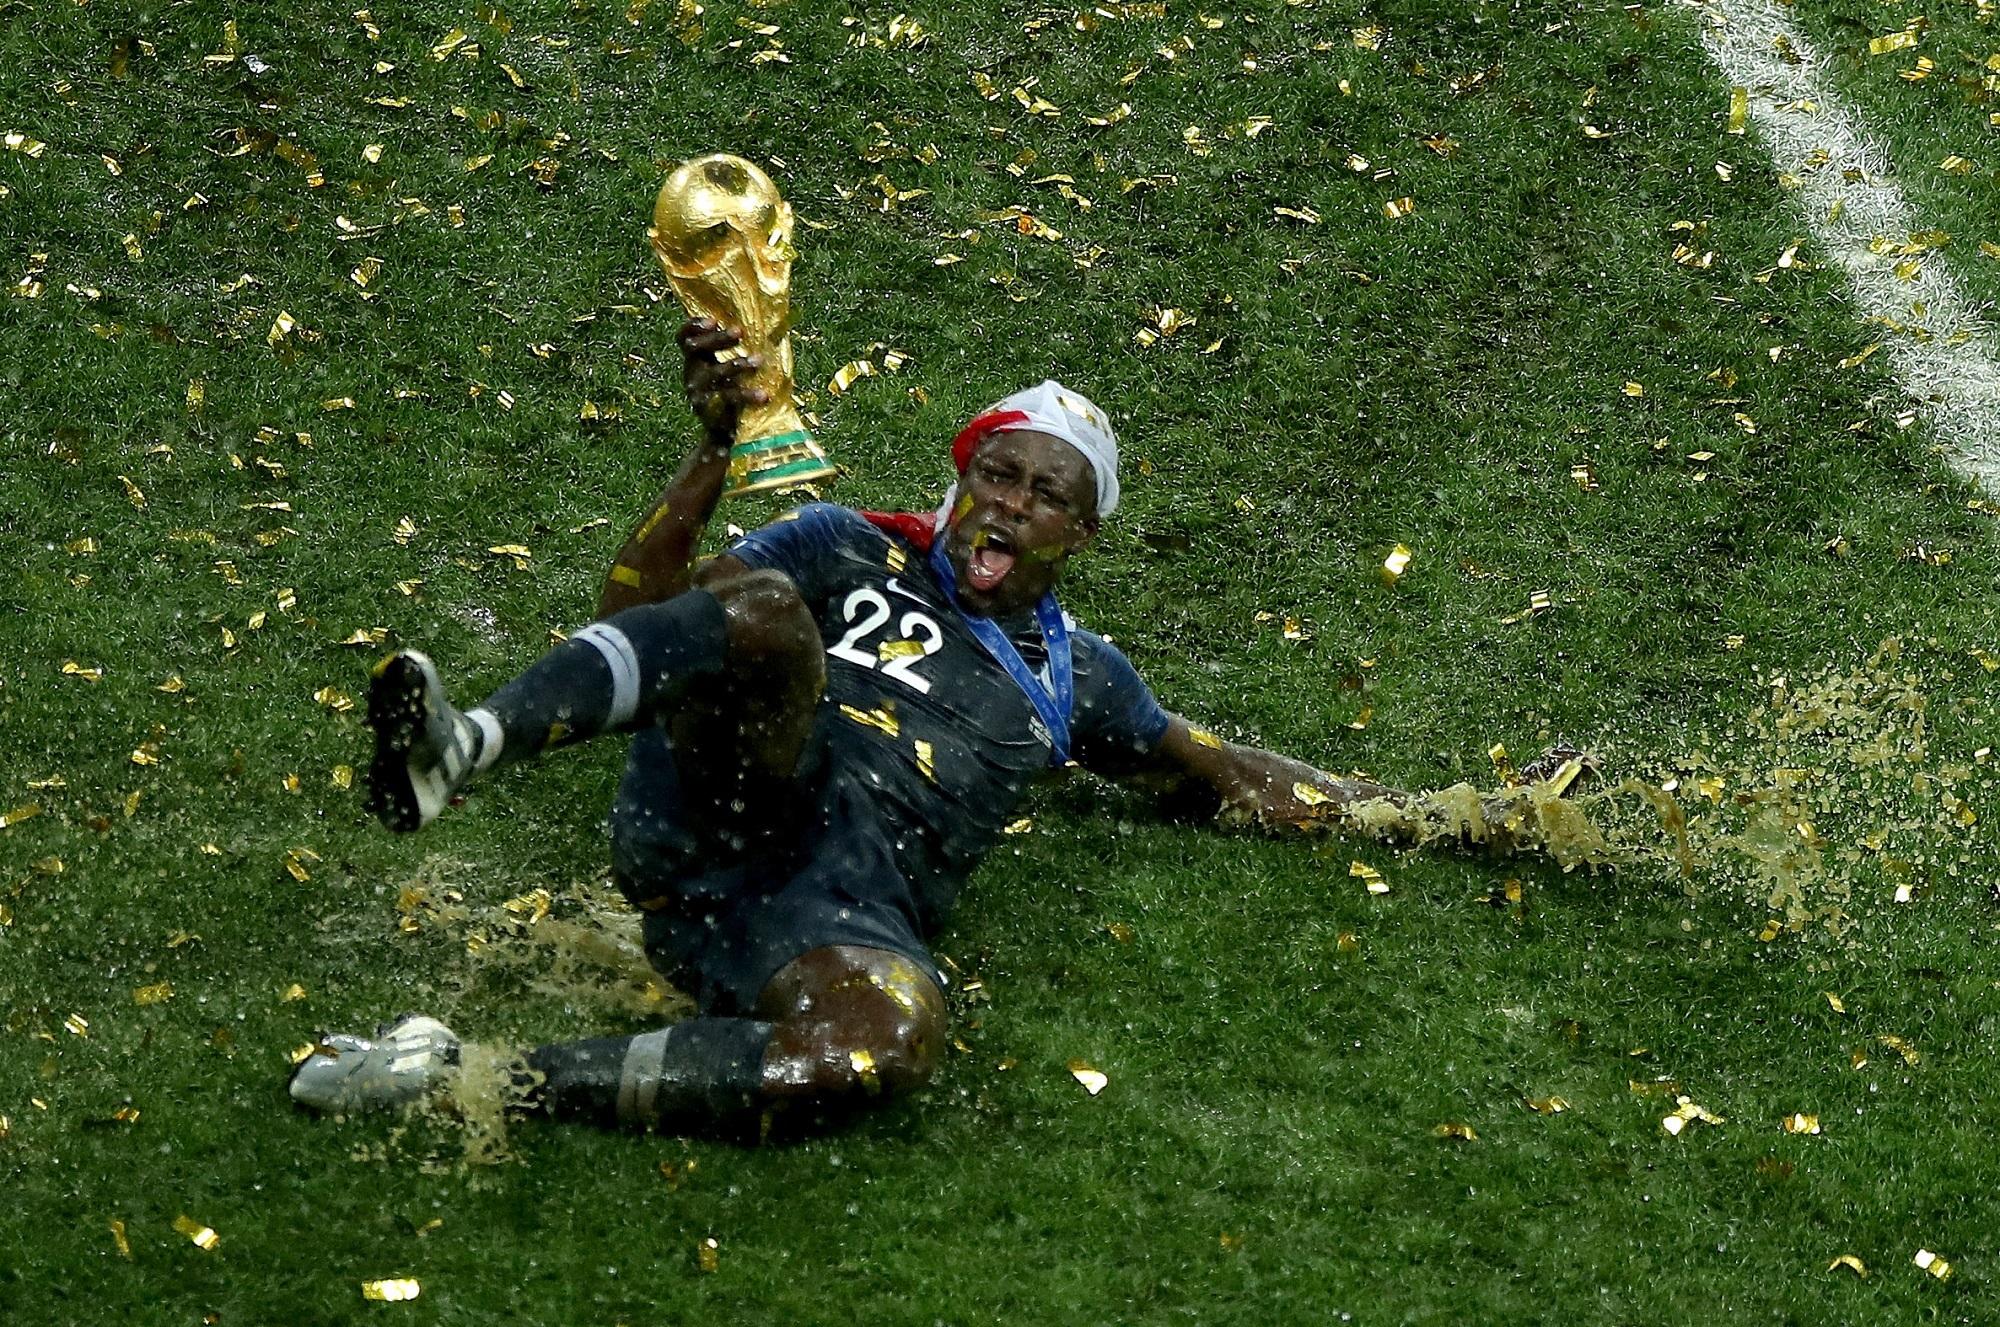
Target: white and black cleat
424 748
404 1063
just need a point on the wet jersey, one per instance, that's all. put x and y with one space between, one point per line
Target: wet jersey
922 726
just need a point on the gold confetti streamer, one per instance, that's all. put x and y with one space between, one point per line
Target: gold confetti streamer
1801 1123
1369 876
391 1291
1463 1133
9 819
1851 1263
708 1254
157 993
124 1246
1932 1263
1892 41
204 1238
1547 1105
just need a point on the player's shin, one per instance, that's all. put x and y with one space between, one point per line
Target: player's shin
610 675
701 1074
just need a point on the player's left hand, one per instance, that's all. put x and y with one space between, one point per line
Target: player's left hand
718 390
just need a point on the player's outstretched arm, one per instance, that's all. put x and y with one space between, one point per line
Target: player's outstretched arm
657 558
1259 786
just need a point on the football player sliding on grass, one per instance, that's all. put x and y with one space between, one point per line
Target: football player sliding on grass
829 725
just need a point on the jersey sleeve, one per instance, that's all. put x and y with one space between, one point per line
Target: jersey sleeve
1117 721
804 544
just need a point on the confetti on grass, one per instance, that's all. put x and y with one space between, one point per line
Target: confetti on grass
391 1291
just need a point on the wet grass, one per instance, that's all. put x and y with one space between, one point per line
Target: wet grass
1267 1143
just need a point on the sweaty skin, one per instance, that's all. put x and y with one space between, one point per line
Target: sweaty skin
856 1025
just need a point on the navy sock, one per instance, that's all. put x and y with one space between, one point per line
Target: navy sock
616 674
701 1073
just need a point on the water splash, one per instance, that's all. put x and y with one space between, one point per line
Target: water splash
1824 802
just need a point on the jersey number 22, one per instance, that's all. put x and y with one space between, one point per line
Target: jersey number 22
866 610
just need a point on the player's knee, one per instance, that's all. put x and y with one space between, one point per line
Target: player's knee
893 1062
766 617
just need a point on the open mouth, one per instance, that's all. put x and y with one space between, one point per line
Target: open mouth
993 556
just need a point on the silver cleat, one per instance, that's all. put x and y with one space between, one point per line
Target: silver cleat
405 1062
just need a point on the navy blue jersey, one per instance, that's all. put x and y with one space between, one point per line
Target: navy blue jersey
931 732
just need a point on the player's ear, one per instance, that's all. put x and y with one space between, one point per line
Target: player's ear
1085 531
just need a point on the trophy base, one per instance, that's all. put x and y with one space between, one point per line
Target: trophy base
786 460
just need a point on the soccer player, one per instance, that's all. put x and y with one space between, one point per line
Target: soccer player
830 723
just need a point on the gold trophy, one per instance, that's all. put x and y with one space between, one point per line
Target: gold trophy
724 237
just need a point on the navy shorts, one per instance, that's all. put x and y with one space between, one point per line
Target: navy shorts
722 912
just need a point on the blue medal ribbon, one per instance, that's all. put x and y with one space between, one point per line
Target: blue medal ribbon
1053 702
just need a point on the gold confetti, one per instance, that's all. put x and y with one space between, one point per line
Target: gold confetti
708 1254
204 1238
1369 876
343 777
71 668
1093 1080
1463 1133
1634 389
1202 737
845 376
1851 1263
1892 41
1834 1002
1547 1105
292 993
926 759
78 1025
334 699
1739 109
1956 165
518 552
117 1232
1911 1056
1309 794
1396 209
1932 1263
883 719
157 993
9 819
530 907
17 141
1302 214
392 1291
1685 1110
133 493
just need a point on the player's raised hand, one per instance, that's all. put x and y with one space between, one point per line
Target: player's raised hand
718 390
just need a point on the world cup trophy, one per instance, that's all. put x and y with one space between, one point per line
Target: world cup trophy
724 237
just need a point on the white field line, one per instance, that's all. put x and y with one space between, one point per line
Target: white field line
1942 355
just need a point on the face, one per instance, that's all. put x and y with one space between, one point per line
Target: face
1026 502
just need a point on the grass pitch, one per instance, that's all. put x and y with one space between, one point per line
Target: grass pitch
311 310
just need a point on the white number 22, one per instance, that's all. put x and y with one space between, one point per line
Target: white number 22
865 611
